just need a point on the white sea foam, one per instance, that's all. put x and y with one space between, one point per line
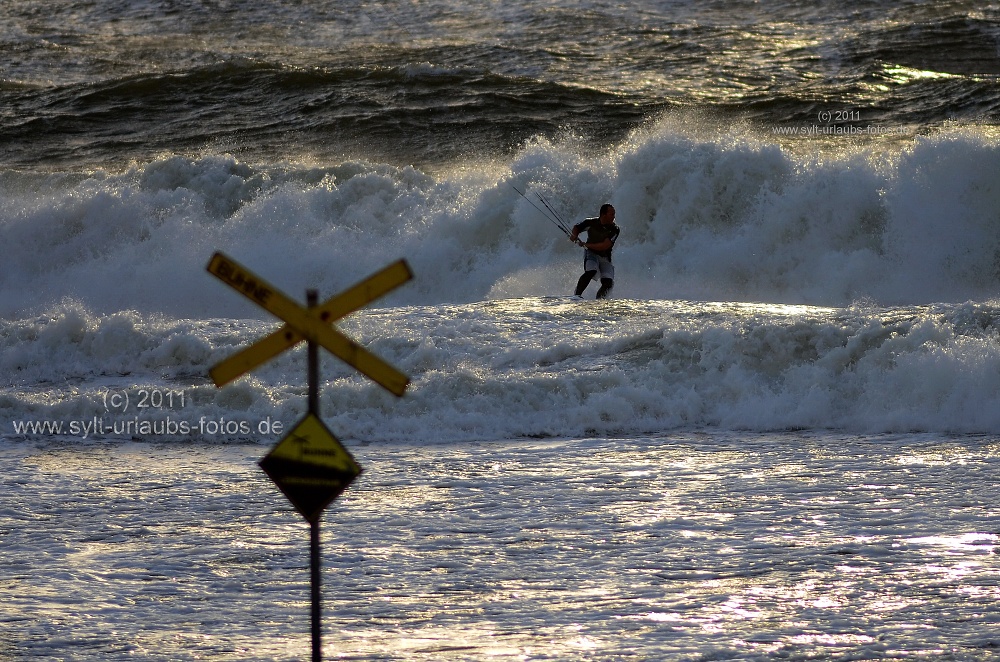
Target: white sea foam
528 368
105 287
728 218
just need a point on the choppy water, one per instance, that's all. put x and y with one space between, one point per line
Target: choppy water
107 83
853 537
777 440
689 547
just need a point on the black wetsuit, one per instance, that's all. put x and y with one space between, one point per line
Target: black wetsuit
595 261
598 232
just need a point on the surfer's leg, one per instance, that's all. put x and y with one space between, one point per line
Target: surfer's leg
607 277
584 281
606 285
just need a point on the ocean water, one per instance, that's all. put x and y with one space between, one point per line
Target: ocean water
778 438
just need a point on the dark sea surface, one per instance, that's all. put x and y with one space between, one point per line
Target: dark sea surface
105 84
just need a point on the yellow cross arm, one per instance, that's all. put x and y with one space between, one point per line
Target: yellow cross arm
307 323
329 311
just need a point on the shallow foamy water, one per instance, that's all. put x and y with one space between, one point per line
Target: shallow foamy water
690 546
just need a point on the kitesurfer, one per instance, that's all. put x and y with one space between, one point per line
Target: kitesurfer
601 236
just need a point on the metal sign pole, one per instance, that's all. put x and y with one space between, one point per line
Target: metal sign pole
317 649
313 349
312 298
309 464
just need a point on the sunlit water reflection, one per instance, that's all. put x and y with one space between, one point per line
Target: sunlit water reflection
693 546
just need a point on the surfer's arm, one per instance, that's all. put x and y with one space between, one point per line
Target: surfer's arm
574 236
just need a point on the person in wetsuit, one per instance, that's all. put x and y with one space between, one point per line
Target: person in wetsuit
601 236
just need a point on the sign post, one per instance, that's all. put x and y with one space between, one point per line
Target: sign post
312 362
309 465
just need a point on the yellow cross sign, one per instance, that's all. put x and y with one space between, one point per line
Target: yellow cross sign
313 324
310 466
